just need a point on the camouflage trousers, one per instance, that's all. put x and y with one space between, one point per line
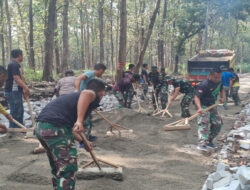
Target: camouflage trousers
61 152
187 99
235 95
119 98
145 90
128 97
163 96
87 126
209 126
227 95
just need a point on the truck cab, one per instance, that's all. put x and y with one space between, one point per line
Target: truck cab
201 64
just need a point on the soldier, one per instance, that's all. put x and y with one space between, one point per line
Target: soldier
124 90
163 88
59 123
185 88
154 80
145 80
210 122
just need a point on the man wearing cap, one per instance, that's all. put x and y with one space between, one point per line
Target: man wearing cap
210 122
154 80
185 88
66 85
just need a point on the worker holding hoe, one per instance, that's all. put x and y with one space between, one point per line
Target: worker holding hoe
185 88
210 122
59 123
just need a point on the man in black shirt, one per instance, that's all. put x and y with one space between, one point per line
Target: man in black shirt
15 87
145 80
59 123
210 122
154 80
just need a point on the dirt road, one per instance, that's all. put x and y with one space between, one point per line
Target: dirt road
151 158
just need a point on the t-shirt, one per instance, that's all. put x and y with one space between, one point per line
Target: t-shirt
208 91
154 78
13 69
66 85
63 110
144 72
125 83
225 78
90 75
185 87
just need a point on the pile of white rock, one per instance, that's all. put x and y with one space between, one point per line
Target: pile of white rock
226 178
237 141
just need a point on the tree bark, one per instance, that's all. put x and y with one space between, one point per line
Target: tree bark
111 37
23 32
57 54
123 40
100 11
160 42
32 56
1 34
87 40
65 38
205 34
49 42
137 33
82 36
150 29
9 29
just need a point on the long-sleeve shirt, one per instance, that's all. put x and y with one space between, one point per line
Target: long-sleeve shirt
3 111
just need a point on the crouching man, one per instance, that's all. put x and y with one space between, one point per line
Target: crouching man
59 123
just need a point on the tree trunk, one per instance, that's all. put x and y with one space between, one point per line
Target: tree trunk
87 40
137 33
111 37
161 36
100 11
49 42
82 36
142 11
123 40
9 47
65 38
1 34
57 54
205 35
23 32
150 29
32 56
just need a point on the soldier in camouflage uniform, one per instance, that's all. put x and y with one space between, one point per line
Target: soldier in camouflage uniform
163 88
59 123
185 88
145 80
210 122
154 80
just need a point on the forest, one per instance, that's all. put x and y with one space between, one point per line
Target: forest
56 35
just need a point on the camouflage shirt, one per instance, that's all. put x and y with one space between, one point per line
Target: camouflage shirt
185 87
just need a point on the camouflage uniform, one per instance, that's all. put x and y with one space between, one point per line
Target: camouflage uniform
188 90
128 97
145 90
210 122
88 126
119 97
61 152
235 95
212 117
154 79
163 89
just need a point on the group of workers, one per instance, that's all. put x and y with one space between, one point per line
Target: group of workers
64 118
